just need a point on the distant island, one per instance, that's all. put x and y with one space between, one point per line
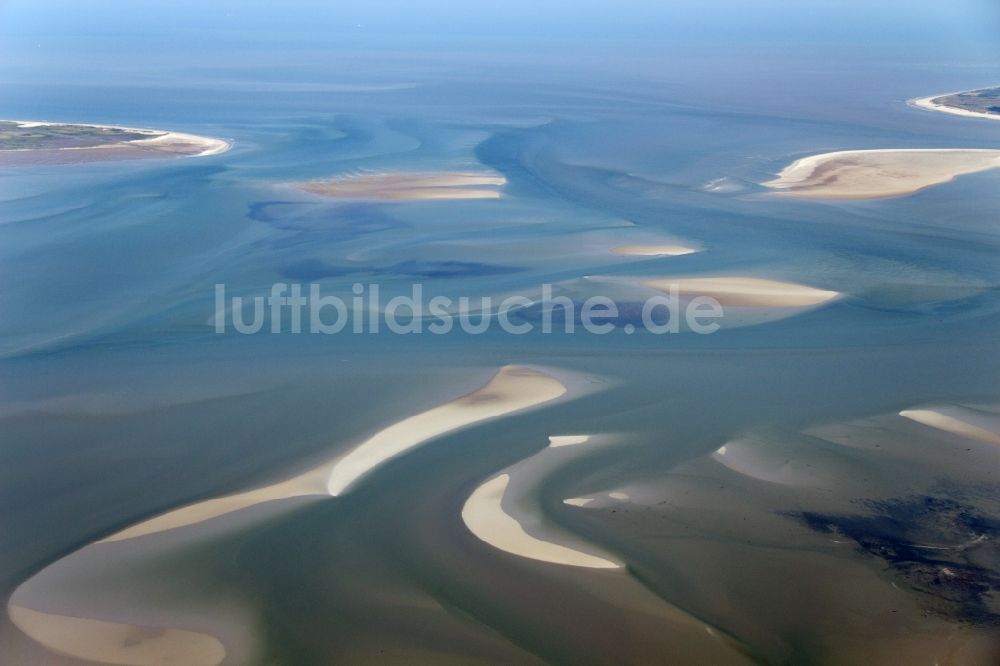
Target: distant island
983 103
27 143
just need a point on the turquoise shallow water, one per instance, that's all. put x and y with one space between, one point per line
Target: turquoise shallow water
118 400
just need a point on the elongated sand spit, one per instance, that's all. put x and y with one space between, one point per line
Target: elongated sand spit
653 250
310 484
408 186
512 389
877 174
748 292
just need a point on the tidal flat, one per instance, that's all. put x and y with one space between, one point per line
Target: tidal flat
814 481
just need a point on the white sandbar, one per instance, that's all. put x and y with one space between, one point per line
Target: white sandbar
485 517
876 174
653 250
513 388
556 441
958 421
180 143
745 291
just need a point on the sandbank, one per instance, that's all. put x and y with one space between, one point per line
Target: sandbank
958 421
653 250
877 174
117 643
485 517
748 292
557 441
513 388
408 186
500 512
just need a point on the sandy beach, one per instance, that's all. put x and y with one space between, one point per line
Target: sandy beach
188 145
934 103
408 186
878 174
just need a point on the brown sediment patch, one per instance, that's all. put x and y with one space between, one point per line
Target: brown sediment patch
408 186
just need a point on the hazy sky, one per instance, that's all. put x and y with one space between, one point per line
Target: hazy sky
62 40
647 19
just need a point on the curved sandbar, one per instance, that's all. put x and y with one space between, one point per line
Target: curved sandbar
958 421
485 516
408 186
983 103
749 292
25 143
877 174
513 388
117 643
